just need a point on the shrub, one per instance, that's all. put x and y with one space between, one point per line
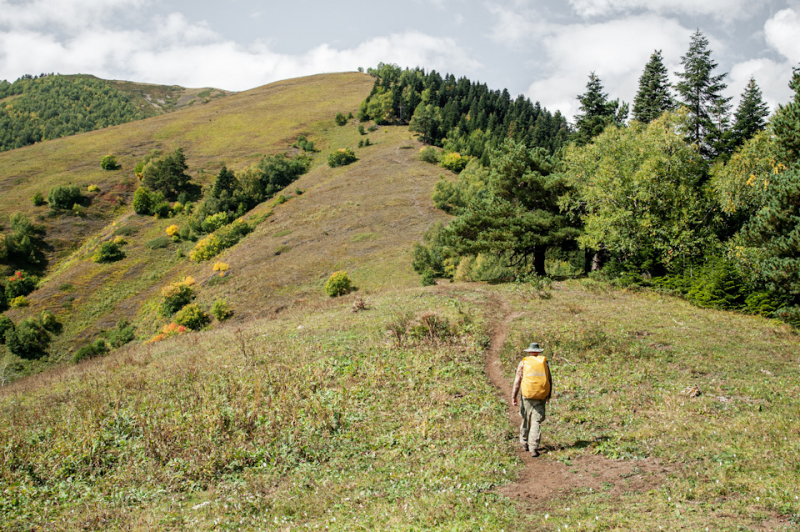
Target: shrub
192 317
124 333
221 267
108 252
429 154
109 162
299 191
120 240
177 207
7 325
20 284
142 201
38 200
206 249
19 302
341 157
223 238
50 323
173 230
280 200
360 143
64 197
428 278
158 242
454 162
338 284
125 230
361 129
221 310
28 340
214 222
163 209
167 174
94 349
93 188
176 296
168 331
340 119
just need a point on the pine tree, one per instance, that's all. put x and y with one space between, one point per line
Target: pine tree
597 111
786 125
750 116
654 96
701 92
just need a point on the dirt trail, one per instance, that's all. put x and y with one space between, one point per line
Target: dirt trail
543 478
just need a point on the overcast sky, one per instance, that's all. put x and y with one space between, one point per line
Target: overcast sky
544 49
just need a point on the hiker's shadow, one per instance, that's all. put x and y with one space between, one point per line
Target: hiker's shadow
577 444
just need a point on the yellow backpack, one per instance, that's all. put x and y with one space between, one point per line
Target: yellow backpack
535 384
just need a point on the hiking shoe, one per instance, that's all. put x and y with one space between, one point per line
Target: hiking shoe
524 446
534 453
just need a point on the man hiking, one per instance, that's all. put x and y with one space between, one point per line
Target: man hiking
533 378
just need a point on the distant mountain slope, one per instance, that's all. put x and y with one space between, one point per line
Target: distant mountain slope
363 217
35 109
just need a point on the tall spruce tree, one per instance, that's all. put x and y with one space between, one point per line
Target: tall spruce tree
750 116
597 111
701 92
654 95
786 125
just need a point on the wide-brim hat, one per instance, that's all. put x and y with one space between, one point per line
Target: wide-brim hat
533 348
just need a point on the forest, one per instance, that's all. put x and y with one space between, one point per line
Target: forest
38 108
675 192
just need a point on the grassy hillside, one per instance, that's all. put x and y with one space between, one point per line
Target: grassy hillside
320 417
363 217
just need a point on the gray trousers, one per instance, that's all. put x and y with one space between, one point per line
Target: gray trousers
532 412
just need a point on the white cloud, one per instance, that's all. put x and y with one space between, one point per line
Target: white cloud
722 9
782 31
616 51
173 50
772 77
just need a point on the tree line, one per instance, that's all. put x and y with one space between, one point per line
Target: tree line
38 108
686 197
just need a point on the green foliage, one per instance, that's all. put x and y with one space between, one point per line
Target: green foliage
192 317
700 91
454 162
28 340
305 144
146 201
750 116
5 325
221 239
38 199
20 284
53 106
64 196
123 334
49 322
97 348
361 129
653 97
769 244
220 310
472 184
109 162
462 115
340 119
176 296
163 210
158 243
428 278
19 302
640 186
341 157
429 154
108 252
518 217
597 112
338 284
786 124
23 244
167 174
214 222
433 255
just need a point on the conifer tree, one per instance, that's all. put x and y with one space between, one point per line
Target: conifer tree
597 111
654 95
701 92
786 124
750 116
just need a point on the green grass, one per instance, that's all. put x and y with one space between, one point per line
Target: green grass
311 419
621 360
